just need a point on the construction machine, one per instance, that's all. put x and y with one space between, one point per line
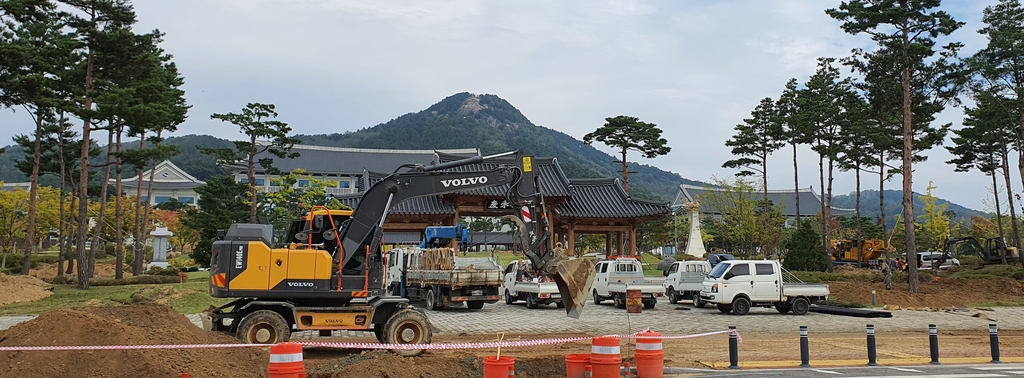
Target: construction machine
332 273
991 253
846 251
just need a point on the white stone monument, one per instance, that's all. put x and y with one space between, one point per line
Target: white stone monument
695 244
161 243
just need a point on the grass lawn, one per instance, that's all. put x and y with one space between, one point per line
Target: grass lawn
188 298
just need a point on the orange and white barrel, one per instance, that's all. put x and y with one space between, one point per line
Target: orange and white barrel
286 361
606 357
650 356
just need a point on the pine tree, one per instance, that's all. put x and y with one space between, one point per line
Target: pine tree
630 133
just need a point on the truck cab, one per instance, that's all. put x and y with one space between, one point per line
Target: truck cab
521 284
683 281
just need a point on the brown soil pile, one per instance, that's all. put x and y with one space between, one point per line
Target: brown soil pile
23 289
138 324
440 364
50 271
933 294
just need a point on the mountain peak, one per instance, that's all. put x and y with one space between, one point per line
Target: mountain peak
486 109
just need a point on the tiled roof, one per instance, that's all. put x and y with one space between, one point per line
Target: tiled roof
600 198
352 161
810 202
430 205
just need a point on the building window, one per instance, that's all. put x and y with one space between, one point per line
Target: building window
260 182
303 183
244 180
188 200
343 184
145 198
161 199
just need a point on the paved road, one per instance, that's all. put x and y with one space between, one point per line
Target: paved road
941 371
670 319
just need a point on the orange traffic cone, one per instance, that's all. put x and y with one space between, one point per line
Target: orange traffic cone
286 361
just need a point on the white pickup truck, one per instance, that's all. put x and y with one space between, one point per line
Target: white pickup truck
736 285
519 284
615 277
684 279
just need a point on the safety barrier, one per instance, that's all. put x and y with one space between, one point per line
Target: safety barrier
286 361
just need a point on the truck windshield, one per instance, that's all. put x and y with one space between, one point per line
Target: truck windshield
719 270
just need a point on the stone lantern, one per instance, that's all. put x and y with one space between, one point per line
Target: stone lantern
161 243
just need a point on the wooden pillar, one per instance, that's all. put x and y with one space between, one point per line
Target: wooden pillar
618 243
455 221
551 226
571 248
632 240
607 243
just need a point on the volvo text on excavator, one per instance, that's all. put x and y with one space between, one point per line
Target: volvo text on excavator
331 275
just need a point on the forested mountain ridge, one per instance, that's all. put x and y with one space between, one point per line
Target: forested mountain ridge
493 125
894 205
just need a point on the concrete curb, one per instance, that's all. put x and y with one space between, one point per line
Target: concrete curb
858 363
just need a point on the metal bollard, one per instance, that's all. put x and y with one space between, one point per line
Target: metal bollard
872 351
993 338
933 343
805 353
734 349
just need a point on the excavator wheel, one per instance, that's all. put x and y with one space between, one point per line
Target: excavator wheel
407 327
263 327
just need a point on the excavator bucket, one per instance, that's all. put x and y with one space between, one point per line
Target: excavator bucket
574 278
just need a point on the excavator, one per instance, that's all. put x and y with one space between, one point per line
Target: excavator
845 251
331 274
991 253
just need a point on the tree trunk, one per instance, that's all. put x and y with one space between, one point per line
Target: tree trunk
83 190
251 176
908 155
101 218
860 237
999 213
796 186
118 219
1009 198
827 209
149 196
881 203
139 241
61 235
821 200
72 229
625 173
33 192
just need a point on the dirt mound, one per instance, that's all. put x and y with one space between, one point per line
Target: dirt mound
103 269
23 289
138 324
934 294
441 364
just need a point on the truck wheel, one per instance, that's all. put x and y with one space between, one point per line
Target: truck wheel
697 302
783 307
671 294
597 298
378 332
531 301
740 306
559 304
432 301
651 303
724 308
475 305
508 298
264 327
407 327
801 306
619 301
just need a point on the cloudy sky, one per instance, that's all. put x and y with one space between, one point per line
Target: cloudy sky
694 68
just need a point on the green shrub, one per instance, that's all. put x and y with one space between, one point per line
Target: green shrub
182 261
158 271
110 249
804 251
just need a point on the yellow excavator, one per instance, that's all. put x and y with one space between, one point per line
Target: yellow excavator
331 275
846 251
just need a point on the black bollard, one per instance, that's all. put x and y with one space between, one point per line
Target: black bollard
805 354
933 343
734 349
872 352
993 338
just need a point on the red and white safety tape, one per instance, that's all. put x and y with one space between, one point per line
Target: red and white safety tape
448 346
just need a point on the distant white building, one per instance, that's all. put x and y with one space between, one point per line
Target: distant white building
169 181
